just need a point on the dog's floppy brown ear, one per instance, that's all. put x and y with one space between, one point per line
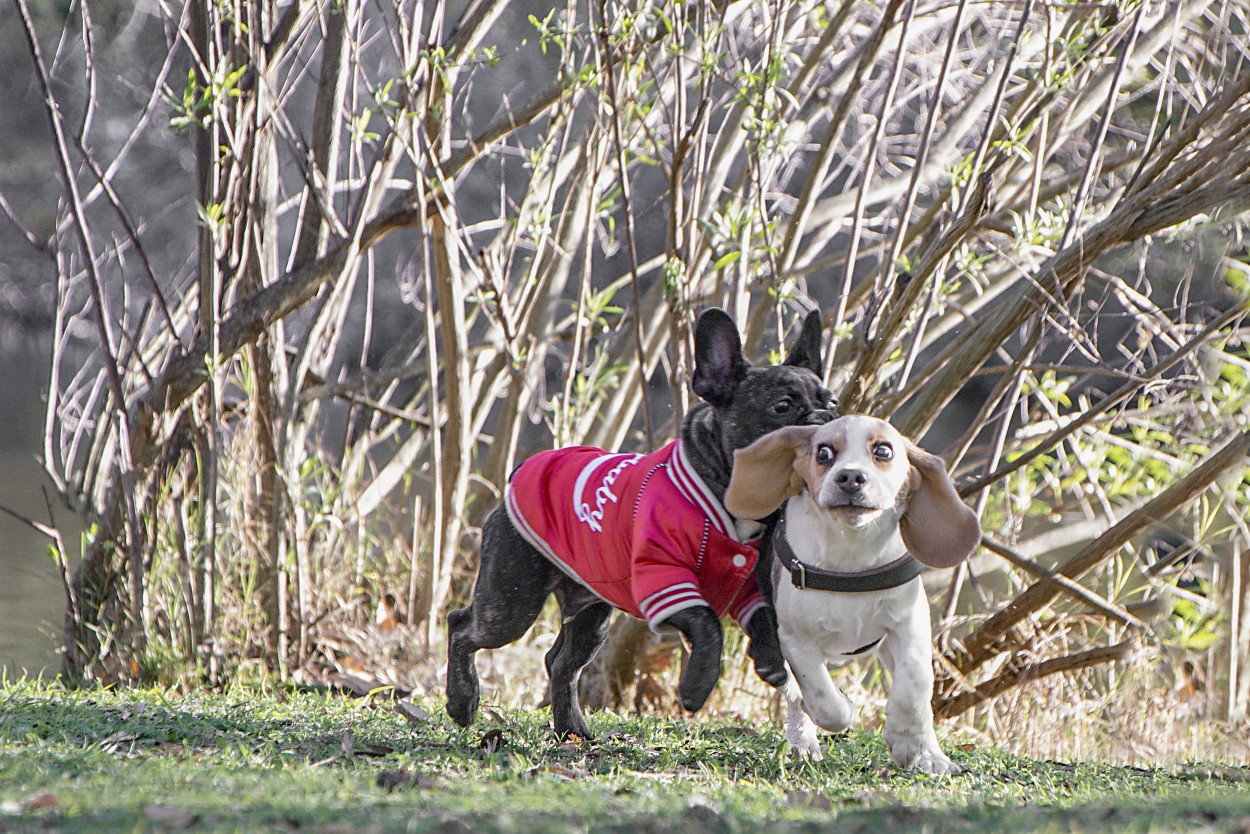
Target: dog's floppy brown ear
765 473
939 529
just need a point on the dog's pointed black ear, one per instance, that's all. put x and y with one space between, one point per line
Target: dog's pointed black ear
718 363
805 353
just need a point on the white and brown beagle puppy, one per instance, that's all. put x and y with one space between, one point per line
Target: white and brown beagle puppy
863 501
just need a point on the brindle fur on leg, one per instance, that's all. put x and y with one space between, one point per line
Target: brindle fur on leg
581 635
513 583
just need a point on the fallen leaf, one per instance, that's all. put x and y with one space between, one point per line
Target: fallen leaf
125 745
348 740
572 742
567 773
384 618
118 739
353 684
413 712
492 740
375 750
393 780
43 801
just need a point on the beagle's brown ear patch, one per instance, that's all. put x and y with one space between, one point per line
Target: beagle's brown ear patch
938 528
765 473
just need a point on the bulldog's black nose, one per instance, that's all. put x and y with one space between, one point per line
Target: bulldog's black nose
819 417
850 481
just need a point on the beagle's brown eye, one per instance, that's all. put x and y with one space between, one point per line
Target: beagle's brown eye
825 455
883 452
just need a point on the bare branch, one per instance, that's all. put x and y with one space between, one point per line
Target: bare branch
978 647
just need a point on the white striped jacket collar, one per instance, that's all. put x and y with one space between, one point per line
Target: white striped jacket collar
688 482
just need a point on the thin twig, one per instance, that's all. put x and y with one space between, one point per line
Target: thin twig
1115 398
103 329
605 46
979 646
944 708
1068 587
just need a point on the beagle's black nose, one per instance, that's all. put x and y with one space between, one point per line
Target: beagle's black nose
850 481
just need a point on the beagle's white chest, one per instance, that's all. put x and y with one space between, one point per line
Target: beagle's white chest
840 627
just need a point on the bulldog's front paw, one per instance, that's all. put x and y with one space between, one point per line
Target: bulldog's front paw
702 629
764 648
698 681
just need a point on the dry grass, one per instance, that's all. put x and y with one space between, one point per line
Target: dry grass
1135 713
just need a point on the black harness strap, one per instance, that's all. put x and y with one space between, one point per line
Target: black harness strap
867 648
896 573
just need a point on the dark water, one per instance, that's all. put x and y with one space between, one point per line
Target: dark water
32 602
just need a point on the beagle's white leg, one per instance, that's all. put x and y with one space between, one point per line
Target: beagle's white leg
908 653
800 731
824 702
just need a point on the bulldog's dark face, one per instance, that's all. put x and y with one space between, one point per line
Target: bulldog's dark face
773 398
751 402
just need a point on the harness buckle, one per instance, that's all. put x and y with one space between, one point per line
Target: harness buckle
802 574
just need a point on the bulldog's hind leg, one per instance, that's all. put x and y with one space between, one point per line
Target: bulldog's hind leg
583 630
513 582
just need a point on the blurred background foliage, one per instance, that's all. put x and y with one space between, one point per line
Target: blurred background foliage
318 274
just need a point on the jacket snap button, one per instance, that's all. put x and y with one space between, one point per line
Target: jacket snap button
740 561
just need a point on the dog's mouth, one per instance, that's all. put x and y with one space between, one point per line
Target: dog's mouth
851 507
855 510
855 516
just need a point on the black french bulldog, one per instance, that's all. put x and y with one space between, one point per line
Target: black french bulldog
515 578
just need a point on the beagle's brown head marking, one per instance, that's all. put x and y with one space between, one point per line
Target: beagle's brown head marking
859 468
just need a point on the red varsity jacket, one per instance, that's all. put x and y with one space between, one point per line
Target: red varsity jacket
643 532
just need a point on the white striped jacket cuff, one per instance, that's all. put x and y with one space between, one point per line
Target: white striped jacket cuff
663 604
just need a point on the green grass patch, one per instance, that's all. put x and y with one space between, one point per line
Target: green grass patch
141 761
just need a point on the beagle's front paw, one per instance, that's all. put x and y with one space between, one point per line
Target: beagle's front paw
800 731
924 759
831 710
803 742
